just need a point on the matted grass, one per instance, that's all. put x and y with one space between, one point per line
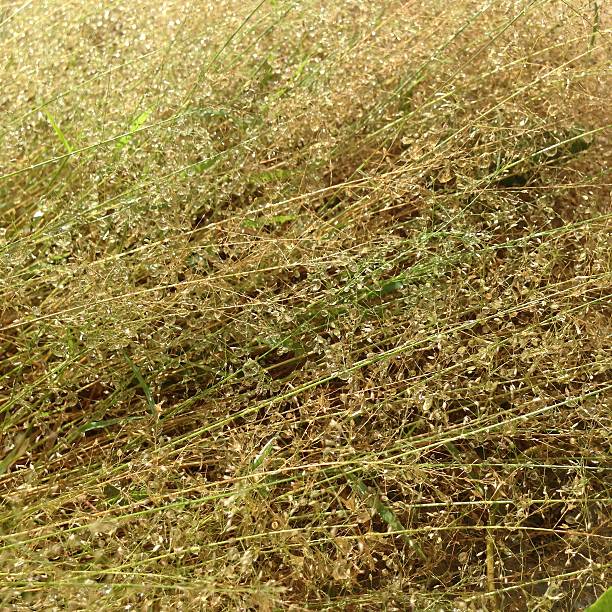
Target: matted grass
305 305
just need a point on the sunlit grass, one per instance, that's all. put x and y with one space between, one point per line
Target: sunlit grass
305 305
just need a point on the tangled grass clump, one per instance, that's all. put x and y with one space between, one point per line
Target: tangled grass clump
305 305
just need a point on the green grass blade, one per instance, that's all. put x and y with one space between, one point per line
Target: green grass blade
57 129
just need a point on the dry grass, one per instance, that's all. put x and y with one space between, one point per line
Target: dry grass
305 305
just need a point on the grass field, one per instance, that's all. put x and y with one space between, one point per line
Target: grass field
305 305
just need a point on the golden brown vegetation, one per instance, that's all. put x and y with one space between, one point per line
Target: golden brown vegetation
304 305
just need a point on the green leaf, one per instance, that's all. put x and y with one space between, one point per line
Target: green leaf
391 287
206 164
134 127
385 513
92 425
267 176
263 221
111 492
603 604
265 451
58 131
142 383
